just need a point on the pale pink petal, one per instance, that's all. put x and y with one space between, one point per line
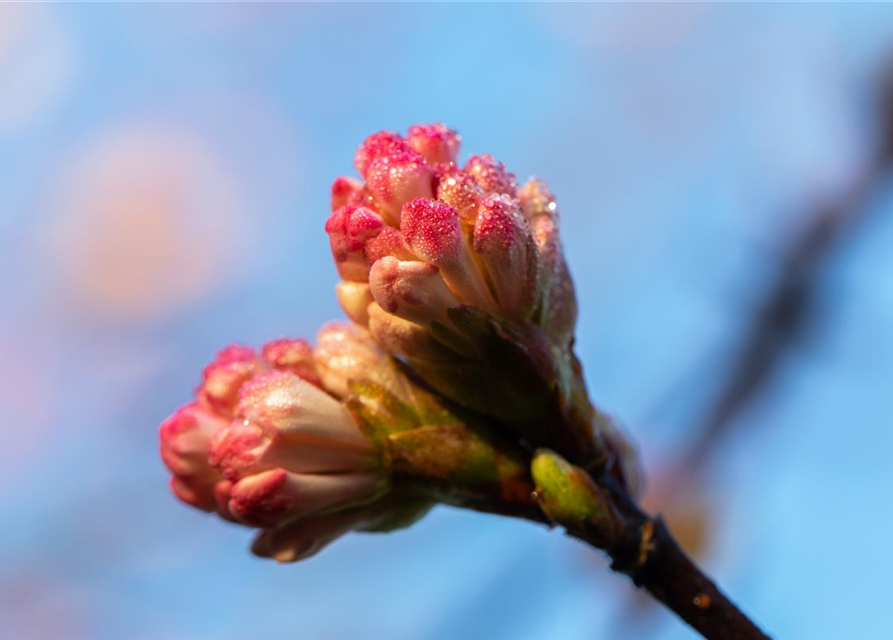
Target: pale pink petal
559 298
355 298
396 335
284 402
245 448
347 191
343 353
224 376
294 355
185 439
277 496
504 241
411 290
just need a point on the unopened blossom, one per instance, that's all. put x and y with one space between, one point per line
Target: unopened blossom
267 443
458 271
308 443
185 439
457 361
495 246
291 451
345 352
457 384
186 435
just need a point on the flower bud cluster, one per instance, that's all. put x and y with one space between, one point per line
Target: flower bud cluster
459 272
308 443
422 236
268 441
458 364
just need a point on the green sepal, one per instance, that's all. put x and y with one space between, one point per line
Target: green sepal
459 464
379 410
516 374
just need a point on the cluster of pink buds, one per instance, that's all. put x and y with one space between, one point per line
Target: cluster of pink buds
457 383
422 236
268 442
460 272
458 365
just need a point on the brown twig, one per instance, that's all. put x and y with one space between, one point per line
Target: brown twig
651 557
647 553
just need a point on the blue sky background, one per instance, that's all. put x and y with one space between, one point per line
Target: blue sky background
164 179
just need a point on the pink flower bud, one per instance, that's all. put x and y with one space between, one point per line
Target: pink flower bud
559 298
185 439
283 402
433 232
245 448
504 242
390 242
294 355
343 353
286 432
347 191
276 496
537 200
349 229
395 179
355 298
460 191
491 175
378 144
411 290
434 141
222 379
396 335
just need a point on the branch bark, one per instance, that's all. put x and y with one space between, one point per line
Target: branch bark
646 552
649 555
